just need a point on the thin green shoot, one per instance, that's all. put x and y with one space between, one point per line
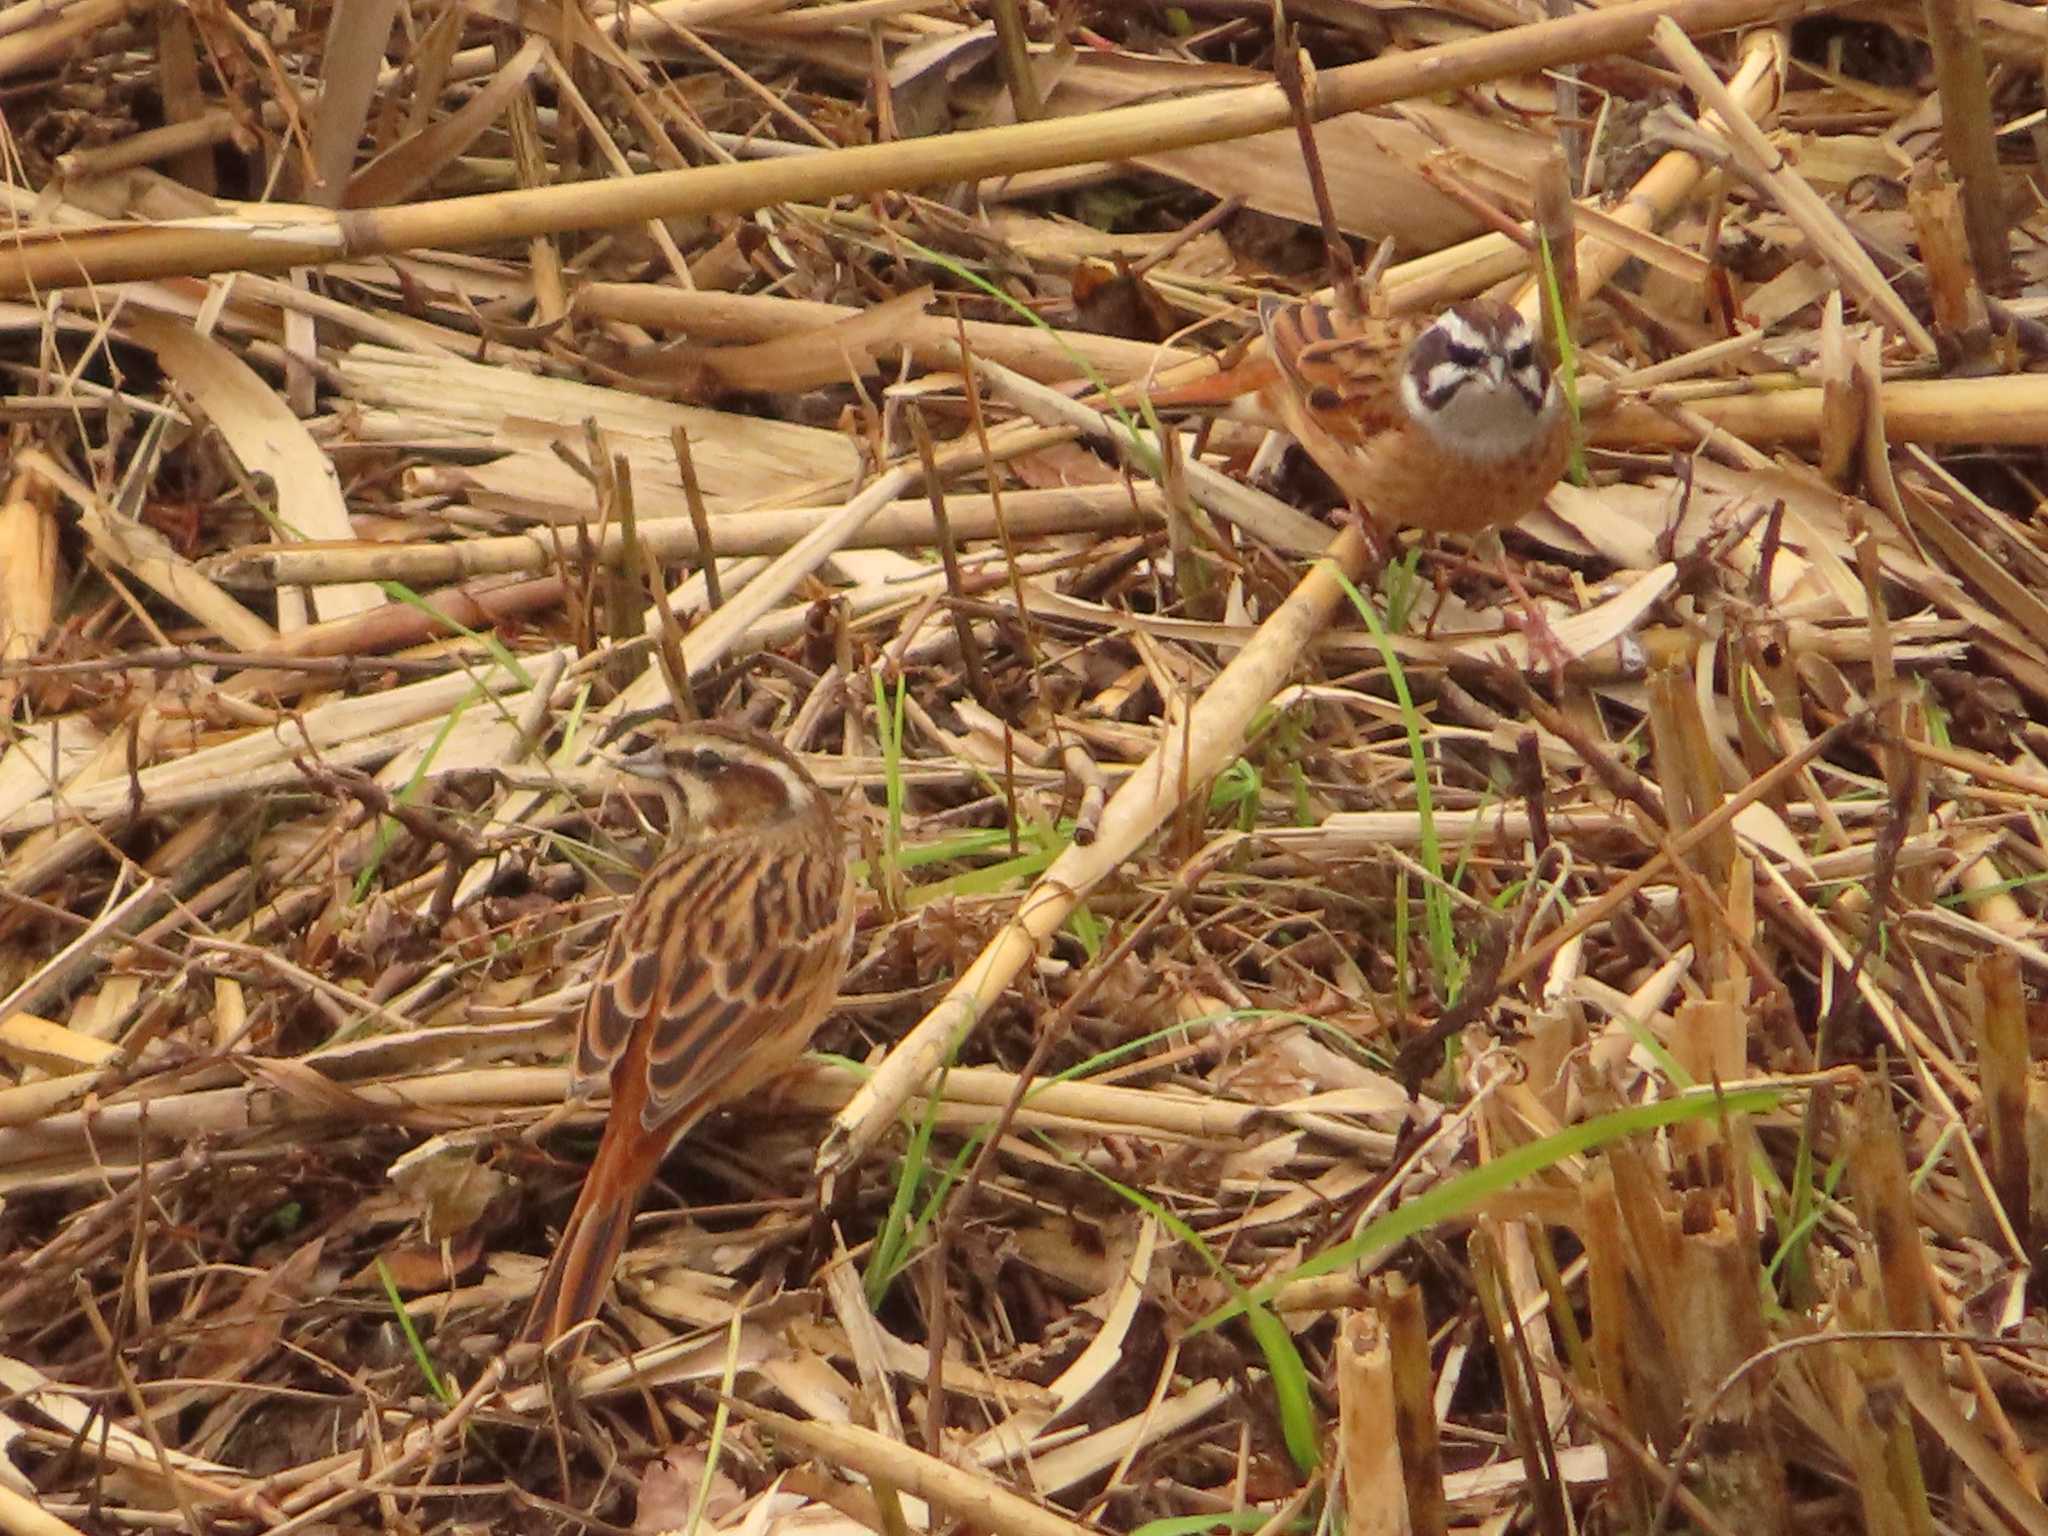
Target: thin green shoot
1456 1197
1567 358
1937 717
1085 926
387 826
1227 1520
1438 929
1291 1394
441 1388
889 727
1979 892
1806 1213
719 1416
1937 1154
1041 846
892 1241
399 592
1238 789
1401 588
896 1243
907 1237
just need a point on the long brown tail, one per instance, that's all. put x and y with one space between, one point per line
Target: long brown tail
595 1234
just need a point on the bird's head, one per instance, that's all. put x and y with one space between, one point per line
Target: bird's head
728 778
1479 383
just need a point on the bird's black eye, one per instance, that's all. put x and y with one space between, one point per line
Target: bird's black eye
707 760
1464 356
1523 356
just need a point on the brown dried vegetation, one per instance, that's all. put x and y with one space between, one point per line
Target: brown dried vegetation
374 368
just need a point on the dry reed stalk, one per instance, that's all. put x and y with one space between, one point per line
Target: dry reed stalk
284 236
1998 1016
1969 136
149 557
906 524
1842 408
1932 1401
2008 412
1369 1445
350 61
1014 1436
945 1487
1258 514
343 730
213 126
36 44
1112 1449
714 639
1692 790
1531 1431
1724 1329
1189 753
1400 1306
1844 1379
933 340
1671 182
1884 1202
1615 1330
266 438
28 577
410 164
1816 220
1935 203
2037 1153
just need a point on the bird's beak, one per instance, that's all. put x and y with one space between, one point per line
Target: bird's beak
641 765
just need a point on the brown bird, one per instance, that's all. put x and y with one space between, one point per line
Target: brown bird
1450 425
726 960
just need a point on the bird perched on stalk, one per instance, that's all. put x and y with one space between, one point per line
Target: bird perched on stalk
725 961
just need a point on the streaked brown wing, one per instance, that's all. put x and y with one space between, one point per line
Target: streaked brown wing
721 950
1345 377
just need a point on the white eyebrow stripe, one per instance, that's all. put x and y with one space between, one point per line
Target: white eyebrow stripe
1460 332
1444 376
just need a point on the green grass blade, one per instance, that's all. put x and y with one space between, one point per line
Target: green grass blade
1456 1196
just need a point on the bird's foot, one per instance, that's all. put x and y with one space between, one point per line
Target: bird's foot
1377 548
1544 644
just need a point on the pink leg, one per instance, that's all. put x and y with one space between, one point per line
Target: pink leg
1544 646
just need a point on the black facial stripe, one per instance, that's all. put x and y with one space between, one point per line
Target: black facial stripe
1458 352
1436 399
